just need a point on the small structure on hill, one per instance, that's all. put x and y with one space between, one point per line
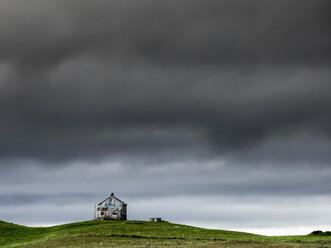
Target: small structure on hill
111 208
155 219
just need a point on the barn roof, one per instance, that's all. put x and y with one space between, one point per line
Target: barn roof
115 198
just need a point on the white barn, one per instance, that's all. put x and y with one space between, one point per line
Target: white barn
111 208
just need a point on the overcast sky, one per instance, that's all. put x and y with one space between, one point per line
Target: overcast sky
213 113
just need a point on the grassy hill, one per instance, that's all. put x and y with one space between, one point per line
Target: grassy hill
143 234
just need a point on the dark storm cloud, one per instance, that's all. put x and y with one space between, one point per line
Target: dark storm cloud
83 79
44 33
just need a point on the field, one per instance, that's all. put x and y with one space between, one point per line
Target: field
143 234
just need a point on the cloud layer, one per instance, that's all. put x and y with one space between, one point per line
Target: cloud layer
91 78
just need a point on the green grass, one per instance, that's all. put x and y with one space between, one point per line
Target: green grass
143 234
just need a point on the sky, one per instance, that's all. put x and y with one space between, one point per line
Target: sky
214 113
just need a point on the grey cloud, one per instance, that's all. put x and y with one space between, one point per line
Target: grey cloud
212 32
79 78
65 116
143 178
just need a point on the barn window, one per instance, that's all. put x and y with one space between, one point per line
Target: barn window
102 213
114 213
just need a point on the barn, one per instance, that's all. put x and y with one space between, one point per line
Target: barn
111 208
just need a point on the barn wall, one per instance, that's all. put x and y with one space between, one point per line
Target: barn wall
113 215
123 213
110 215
